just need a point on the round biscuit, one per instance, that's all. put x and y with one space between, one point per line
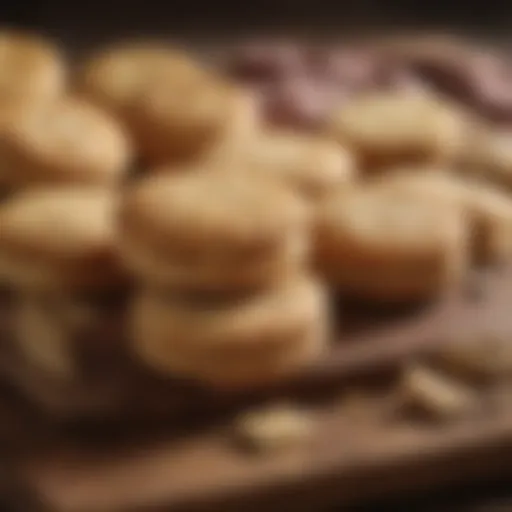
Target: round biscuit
59 238
391 127
67 142
234 340
487 208
189 120
390 244
31 68
212 230
118 76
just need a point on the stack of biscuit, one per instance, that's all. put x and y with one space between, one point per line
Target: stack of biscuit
223 293
63 159
224 296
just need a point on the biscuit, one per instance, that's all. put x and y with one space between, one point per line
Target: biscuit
487 208
59 238
179 122
314 166
258 337
173 107
118 76
212 231
388 244
389 128
66 142
31 69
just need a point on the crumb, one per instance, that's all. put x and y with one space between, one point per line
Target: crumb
435 394
274 428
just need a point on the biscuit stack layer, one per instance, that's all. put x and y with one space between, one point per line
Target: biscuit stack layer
224 293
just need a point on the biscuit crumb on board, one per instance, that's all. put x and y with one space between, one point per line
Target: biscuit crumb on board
274 428
434 394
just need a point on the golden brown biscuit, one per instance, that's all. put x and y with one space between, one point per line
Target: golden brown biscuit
58 238
384 243
216 231
314 166
246 341
117 77
31 69
488 209
173 107
188 121
67 142
389 128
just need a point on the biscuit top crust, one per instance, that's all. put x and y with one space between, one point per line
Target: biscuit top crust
390 219
30 67
187 104
396 121
205 210
65 223
120 75
314 163
69 140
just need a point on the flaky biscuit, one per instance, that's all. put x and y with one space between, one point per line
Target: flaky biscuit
212 230
59 238
118 76
264 335
488 209
387 128
312 165
388 244
69 141
179 122
31 69
173 107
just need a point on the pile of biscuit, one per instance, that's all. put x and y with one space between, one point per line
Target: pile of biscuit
149 171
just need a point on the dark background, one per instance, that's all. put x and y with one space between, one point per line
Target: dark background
84 23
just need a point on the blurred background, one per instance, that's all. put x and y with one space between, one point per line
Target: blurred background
82 24
93 20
